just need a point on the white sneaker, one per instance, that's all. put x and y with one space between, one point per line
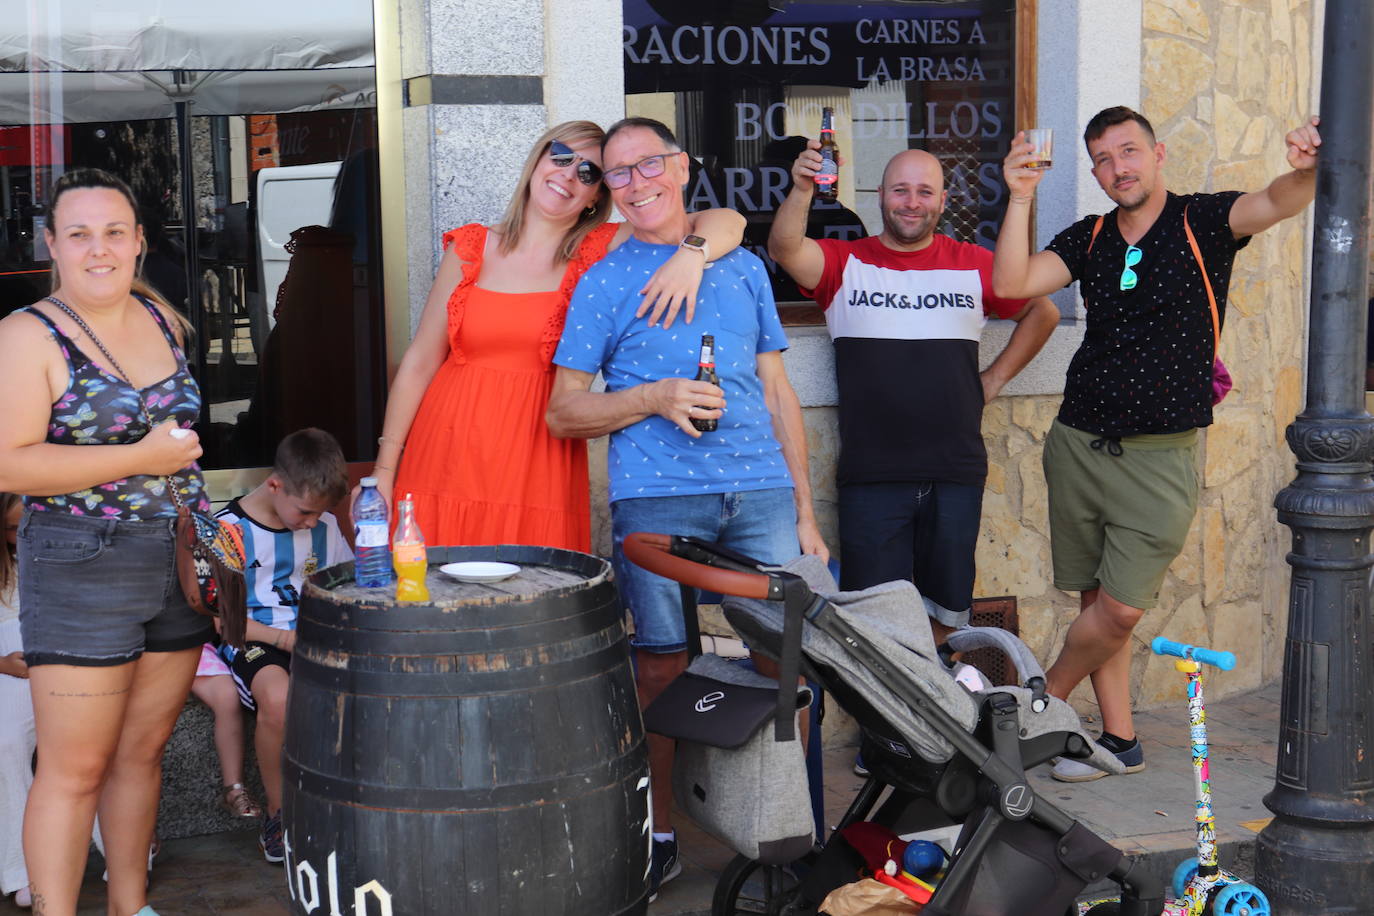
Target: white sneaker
23 898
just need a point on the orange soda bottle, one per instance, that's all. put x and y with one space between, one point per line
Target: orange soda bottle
408 554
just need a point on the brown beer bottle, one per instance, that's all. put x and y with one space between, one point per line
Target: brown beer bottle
828 178
706 372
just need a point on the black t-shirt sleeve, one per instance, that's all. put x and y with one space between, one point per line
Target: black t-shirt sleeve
1072 245
1210 217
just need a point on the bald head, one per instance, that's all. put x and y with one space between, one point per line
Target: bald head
915 165
913 198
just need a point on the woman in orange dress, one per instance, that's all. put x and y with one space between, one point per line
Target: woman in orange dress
464 433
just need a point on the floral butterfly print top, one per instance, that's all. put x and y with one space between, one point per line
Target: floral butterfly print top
99 408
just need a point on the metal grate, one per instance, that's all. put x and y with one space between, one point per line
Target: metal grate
994 612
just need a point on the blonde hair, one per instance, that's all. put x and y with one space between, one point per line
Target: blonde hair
573 133
99 178
9 571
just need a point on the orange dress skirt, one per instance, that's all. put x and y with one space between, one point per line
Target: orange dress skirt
479 461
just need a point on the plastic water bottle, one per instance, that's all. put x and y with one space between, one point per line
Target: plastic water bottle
408 555
371 551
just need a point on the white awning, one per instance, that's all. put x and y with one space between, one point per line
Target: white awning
91 60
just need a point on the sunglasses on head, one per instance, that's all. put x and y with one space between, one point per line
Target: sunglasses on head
562 155
1128 278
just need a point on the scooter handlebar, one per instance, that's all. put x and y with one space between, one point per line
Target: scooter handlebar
1216 658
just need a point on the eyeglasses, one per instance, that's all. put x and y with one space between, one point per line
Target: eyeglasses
649 167
589 173
1128 278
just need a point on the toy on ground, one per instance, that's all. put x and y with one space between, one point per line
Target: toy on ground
1201 887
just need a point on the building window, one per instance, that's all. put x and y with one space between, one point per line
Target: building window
252 152
743 81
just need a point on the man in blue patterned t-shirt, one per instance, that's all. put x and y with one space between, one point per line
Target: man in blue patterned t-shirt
743 485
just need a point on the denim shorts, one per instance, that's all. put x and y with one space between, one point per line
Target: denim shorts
101 591
924 531
757 523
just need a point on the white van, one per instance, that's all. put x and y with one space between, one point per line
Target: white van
289 197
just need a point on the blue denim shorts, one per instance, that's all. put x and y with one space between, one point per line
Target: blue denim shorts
757 523
101 591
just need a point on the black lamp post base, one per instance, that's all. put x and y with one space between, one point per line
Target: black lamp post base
1307 870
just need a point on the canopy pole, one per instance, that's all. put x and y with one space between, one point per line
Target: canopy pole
195 354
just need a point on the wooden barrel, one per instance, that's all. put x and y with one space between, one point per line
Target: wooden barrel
479 754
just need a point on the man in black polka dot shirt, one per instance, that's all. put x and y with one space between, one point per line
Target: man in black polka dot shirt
1120 459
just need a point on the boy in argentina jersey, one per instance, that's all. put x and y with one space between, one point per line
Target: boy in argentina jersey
906 310
287 536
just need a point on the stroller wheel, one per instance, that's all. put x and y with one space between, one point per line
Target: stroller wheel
1240 900
746 888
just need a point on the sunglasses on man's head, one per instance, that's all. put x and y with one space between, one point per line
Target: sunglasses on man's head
562 155
1128 278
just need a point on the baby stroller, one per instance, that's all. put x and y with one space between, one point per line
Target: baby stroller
950 756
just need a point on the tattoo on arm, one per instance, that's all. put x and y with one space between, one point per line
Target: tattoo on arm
40 905
79 693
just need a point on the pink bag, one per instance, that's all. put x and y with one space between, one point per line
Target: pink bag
1221 382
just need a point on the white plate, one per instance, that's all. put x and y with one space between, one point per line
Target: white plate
479 571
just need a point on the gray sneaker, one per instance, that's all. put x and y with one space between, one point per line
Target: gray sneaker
1069 770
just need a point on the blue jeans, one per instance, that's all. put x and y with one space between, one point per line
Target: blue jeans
923 531
757 523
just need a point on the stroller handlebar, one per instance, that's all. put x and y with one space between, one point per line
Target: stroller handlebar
663 554
1223 660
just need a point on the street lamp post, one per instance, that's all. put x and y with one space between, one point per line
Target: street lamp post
1317 855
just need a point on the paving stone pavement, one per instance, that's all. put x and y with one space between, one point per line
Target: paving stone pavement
1149 814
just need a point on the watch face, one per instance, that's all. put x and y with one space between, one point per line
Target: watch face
694 241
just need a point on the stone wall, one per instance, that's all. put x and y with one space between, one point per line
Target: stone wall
1222 83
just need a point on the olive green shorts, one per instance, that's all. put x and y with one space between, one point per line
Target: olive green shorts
1118 520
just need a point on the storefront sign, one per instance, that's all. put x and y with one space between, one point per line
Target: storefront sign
743 79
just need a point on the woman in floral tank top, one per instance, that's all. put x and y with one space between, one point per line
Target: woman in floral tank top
110 642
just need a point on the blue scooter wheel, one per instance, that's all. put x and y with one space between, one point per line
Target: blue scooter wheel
1182 875
1240 900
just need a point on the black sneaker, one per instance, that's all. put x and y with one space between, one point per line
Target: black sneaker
664 866
270 840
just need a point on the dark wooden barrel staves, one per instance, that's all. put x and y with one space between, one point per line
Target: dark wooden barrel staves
481 754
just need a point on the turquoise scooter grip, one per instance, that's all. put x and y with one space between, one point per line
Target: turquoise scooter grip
1223 660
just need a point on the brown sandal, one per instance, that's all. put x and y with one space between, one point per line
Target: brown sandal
236 800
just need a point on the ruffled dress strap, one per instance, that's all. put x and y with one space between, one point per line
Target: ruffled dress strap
592 249
469 244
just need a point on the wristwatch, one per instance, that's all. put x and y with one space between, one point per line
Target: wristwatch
697 243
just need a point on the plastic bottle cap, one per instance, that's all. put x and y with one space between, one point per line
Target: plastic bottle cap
369 481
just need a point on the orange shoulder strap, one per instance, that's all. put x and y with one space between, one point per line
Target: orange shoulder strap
1206 281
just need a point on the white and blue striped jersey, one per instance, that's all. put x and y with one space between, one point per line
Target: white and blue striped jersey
278 560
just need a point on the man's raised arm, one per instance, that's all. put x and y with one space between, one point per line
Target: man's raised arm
788 244
1286 195
1016 273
